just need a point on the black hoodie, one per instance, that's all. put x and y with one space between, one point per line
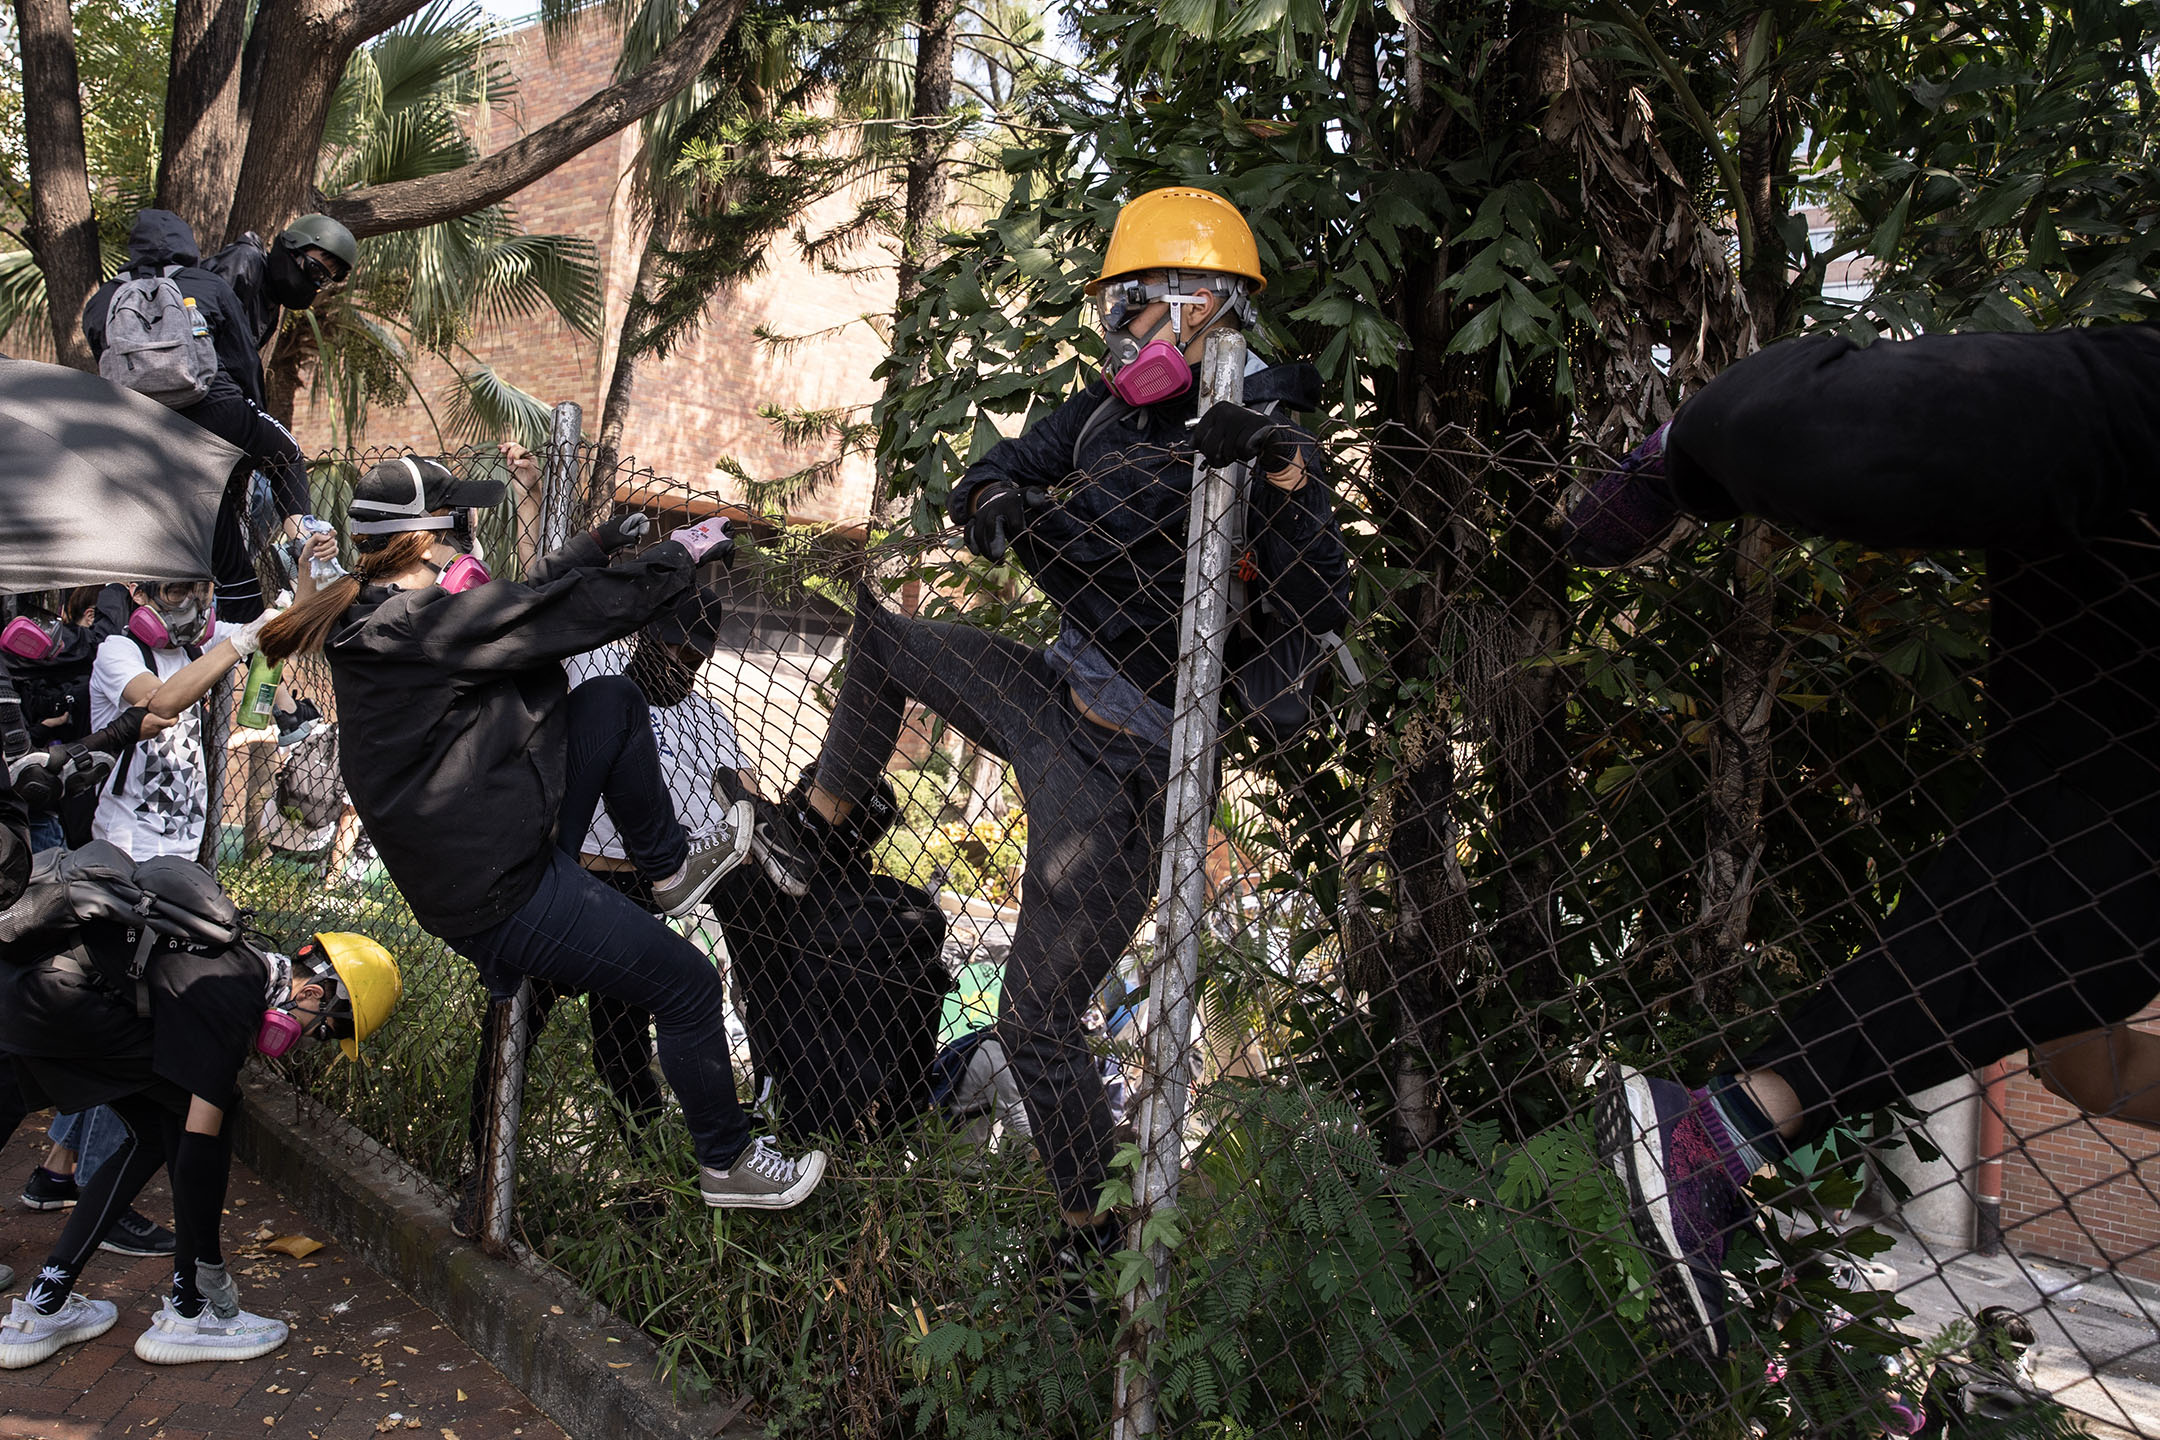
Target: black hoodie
1111 554
452 734
161 238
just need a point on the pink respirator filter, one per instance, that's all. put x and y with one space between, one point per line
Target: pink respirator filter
462 574
279 1033
1159 372
28 639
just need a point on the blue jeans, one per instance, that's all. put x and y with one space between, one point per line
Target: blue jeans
47 832
94 1135
583 937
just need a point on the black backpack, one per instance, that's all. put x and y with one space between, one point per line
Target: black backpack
843 990
120 910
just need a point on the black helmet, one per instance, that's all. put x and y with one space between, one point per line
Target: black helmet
322 233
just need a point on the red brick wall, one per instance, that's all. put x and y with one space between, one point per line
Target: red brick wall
2071 1189
699 404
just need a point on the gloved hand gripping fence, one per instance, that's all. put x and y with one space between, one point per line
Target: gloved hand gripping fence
1000 514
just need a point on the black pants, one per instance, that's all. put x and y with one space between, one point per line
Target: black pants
622 1050
2038 918
1095 811
578 935
230 415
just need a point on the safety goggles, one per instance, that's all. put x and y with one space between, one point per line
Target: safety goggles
1119 301
174 593
325 276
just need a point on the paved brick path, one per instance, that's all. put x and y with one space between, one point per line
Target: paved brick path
363 1360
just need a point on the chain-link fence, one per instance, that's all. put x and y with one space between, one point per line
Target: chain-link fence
1349 1077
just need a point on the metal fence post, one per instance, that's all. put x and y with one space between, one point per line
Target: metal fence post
1180 913
558 495
513 1016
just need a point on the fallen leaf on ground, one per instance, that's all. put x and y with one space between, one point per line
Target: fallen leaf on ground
461 1394
297 1246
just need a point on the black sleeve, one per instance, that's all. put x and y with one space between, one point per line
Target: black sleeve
229 332
1966 440
1043 455
93 317
204 1011
200 1171
243 266
1298 545
565 609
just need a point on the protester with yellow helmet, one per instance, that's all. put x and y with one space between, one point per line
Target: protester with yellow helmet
164 1049
1085 724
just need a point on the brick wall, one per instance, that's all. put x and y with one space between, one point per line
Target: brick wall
2071 1188
700 403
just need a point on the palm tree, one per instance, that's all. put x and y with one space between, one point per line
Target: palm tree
402 111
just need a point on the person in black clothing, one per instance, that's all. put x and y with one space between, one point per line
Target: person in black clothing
232 410
54 684
1085 724
310 256
2039 916
75 1033
461 744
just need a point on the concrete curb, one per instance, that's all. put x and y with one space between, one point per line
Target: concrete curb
571 1364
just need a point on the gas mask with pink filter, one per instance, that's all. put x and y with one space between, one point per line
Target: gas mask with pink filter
1148 369
280 1029
177 616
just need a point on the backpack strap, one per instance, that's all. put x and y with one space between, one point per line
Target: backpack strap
1111 409
149 660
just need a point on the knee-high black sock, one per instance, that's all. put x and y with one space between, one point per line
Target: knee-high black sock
105 1198
201 1166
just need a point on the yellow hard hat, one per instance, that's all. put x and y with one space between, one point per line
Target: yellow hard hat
369 976
1181 229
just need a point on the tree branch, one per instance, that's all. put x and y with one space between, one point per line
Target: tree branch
1706 127
431 199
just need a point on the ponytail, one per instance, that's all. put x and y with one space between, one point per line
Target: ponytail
306 627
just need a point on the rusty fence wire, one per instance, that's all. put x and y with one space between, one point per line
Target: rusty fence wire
1369 1171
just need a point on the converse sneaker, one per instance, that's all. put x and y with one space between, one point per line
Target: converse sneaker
761 1179
26 1337
175 1339
47 1191
711 856
137 1234
774 837
1682 1199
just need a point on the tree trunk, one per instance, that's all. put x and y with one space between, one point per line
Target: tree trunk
432 199
199 159
622 379
63 232
296 54
938 22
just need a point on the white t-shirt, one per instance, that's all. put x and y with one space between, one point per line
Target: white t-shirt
695 737
163 805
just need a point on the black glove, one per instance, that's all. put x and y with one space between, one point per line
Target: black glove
998 514
1231 434
624 529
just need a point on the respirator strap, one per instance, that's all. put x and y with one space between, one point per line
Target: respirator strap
396 527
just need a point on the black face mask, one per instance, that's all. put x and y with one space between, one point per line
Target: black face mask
665 680
290 285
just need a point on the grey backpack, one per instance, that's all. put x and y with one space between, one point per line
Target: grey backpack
157 342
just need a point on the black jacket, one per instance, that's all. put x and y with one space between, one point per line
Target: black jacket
1111 554
161 238
452 735
245 266
2043 450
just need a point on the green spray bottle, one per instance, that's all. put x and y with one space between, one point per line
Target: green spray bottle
258 696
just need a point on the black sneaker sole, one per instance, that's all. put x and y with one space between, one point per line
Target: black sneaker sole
1677 1315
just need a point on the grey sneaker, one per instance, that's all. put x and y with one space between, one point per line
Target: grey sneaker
175 1339
762 1179
26 1337
711 856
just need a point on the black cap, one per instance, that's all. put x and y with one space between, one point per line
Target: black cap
694 621
402 494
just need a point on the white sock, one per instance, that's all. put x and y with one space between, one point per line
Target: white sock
674 879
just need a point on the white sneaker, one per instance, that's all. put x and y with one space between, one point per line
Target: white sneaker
762 1179
27 1337
174 1339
